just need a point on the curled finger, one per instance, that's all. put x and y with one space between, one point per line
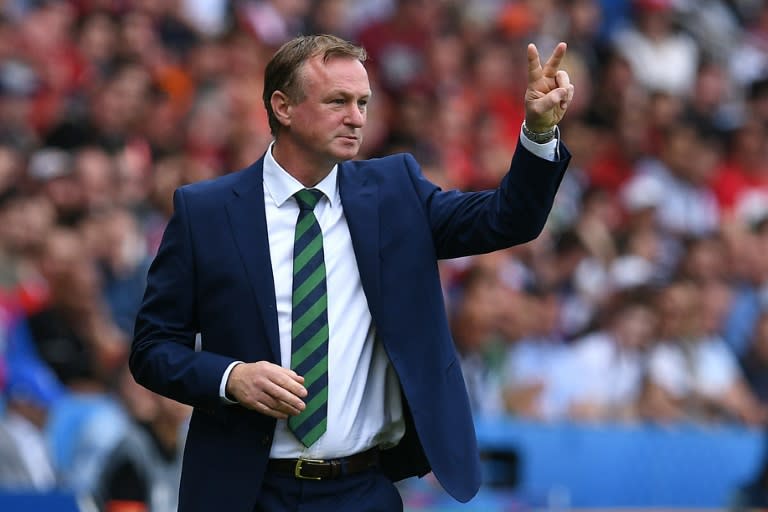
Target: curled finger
285 396
289 409
270 407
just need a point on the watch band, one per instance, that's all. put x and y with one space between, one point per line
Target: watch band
539 137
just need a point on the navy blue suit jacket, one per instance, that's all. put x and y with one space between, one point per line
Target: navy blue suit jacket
212 275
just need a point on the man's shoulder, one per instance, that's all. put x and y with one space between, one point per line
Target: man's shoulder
382 164
224 183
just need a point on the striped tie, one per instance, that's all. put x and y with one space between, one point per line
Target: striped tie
309 332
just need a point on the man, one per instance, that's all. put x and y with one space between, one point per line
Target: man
325 368
26 462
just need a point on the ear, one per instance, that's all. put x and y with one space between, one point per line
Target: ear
281 106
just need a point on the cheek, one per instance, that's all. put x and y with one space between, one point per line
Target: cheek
323 124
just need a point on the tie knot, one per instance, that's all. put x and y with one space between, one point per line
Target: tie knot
307 198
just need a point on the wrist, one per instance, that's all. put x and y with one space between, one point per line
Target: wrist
539 136
227 384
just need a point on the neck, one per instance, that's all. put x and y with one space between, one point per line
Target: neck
292 159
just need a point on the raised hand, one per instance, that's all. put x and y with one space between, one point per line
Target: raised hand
549 90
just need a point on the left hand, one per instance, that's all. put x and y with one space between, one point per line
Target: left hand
549 90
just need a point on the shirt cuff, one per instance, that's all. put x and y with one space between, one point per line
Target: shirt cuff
547 151
223 385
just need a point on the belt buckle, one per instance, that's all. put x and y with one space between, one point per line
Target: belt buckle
300 464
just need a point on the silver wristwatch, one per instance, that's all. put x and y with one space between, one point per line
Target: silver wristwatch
539 137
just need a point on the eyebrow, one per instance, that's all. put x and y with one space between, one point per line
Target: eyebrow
341 92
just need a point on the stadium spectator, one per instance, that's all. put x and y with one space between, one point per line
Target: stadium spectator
704 260
713 105
115 241
756 100
51 173
683 171
25 221
692 373
73 332
533 369
26 461
95 172
607 366
476 315
749 275
638 263
142 469
754 362
557 267
397 44
741 182
662 57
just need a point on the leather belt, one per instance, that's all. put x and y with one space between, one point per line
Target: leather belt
315 469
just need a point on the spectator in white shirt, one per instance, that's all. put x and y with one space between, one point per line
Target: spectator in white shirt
662 58
607 367
692 375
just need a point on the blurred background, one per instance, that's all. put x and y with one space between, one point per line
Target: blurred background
620 360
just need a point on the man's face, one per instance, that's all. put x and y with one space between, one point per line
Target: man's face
327 123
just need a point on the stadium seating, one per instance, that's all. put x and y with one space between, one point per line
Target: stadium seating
647 466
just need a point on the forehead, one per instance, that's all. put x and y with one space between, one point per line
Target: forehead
344 74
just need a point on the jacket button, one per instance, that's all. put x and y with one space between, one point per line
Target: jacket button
266 439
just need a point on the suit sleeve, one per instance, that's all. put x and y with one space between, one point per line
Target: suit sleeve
466 223
163 356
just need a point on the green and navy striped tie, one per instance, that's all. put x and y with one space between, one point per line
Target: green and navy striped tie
309 330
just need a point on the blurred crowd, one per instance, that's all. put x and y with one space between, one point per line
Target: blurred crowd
645 299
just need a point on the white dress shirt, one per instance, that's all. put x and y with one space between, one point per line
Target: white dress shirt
364 402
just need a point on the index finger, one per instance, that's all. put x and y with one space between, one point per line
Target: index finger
553 63
534 64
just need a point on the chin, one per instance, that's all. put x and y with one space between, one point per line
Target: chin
349 156
347 153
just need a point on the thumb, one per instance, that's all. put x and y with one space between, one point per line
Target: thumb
554 98
557 97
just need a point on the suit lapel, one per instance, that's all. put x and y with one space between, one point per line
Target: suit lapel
249 228
359 198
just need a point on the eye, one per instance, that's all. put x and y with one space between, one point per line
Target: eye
362 103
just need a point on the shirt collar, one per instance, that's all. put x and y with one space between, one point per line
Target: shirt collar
281 186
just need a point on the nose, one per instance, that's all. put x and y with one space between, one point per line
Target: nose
355 117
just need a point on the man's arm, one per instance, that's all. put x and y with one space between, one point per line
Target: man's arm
464 224
163 356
